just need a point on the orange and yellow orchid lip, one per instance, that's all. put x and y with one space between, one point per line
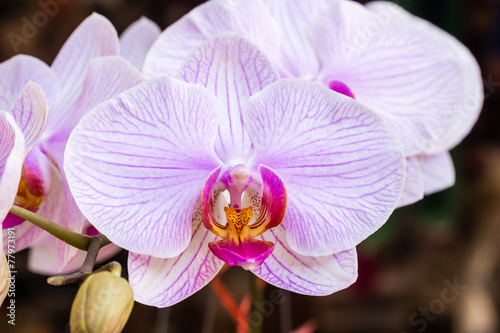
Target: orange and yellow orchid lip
238 246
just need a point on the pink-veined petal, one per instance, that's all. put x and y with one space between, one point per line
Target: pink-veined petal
105 78
472 97
245 17
295 56
43 257
136 164
26 235
233 69
413 190
30 113
165 282
60 208
137 39
18 71
54 208
94 37
402 71
438 172
306 275
342 165
11 161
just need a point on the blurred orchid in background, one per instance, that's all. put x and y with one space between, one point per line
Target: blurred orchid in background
134 43
422 81
11 162
149 169
86 72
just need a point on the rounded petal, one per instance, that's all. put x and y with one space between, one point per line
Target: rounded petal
413 190
233 69
136 164
43 257
404 72
18 71
59 206
11 161
137 39
30 112
94 37
315 276
26 235
295 55
471 102
249 18
342 165
438 172
165 282
105 78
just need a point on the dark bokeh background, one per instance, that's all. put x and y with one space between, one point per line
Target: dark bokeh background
452 236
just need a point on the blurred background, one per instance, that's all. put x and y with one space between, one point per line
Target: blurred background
434 267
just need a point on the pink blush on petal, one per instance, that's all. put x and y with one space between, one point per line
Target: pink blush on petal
91 231
341 88
249 254
11 220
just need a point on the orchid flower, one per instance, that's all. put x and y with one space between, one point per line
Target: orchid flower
281 177
422 81
137 39
11 162
134 44
86 71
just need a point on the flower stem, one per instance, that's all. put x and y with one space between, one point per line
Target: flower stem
72 238
91 244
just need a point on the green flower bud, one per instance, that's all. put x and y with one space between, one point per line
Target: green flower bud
103 304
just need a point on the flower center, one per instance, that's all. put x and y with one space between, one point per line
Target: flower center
341 88
238 219
25 198
238 246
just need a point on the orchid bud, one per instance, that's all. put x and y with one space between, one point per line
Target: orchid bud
103 304
4 277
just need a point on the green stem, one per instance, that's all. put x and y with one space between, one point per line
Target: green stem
72 238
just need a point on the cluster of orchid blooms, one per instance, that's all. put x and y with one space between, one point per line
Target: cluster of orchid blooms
275 135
